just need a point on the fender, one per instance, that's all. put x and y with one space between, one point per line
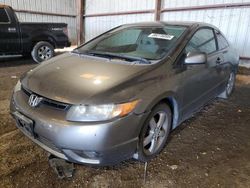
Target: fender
173 100
37 36
44 36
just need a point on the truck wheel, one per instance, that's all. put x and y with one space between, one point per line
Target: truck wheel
42 51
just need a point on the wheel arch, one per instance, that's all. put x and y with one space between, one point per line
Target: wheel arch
172 103
171 99
44 37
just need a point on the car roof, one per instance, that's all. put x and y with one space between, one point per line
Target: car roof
163 23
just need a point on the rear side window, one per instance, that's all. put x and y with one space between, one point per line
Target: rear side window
202 41
222 42
3 16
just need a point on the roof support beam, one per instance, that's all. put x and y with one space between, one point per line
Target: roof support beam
120 13
158 10
44 13
206 7
79 21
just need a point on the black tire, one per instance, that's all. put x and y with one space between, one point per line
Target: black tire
143 151
42 51
229 86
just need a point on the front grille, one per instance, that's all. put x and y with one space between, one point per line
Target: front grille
48 102
55 104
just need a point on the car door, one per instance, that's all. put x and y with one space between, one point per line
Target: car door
223 63
199 80
9 35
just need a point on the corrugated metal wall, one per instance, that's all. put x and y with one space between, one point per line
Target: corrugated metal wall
233 22
51 6
97 25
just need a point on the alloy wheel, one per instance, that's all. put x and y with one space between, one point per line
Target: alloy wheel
44 52
156 133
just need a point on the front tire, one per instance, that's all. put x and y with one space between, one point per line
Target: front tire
42 51
154 134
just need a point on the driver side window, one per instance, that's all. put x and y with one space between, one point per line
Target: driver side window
202 41
3 16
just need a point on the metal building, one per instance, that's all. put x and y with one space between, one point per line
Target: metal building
231 16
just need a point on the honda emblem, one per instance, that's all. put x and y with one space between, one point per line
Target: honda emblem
34 100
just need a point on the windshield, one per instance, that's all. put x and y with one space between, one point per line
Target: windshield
150 43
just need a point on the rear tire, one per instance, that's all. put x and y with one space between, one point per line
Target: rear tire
154 134
42 51
229 87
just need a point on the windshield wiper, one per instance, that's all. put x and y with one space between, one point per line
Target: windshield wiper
112 55
81 53
76 51
120 56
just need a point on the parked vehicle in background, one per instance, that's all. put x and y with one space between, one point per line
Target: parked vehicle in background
119 95
37 39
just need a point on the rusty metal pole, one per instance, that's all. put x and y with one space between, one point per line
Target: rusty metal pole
158 10
79 21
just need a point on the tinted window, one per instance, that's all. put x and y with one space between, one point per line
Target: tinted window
222 42
145 42
202 41
3 16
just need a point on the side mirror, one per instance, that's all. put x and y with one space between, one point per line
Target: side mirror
196 58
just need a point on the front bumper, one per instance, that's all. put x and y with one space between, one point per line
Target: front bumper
103 143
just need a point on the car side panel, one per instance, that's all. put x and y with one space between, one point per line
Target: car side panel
35 32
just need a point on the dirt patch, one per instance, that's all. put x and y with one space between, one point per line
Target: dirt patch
244 70
243 79
212 149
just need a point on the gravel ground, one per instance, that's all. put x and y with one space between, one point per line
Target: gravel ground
212 149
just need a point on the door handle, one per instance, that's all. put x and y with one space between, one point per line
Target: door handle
12 29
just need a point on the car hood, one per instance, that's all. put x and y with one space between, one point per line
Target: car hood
75 79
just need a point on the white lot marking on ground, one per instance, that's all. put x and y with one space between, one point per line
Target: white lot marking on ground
5 136
145 172
174 167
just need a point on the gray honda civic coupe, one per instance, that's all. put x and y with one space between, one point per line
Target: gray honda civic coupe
119 95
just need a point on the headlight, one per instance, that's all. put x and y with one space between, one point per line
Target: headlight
88 113
18 86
